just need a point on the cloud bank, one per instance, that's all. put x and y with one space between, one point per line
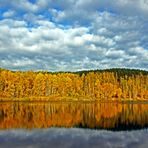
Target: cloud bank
71 35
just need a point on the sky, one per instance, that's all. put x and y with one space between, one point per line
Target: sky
73 35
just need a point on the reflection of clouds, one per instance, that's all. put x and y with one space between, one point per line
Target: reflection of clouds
73 138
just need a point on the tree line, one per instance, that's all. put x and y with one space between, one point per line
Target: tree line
94 85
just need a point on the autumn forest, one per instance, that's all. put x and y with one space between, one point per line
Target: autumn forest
110 84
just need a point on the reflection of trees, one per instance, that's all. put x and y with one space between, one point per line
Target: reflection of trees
90 115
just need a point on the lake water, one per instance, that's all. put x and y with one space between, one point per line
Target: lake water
73 124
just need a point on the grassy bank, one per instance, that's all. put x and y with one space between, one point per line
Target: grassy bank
70 99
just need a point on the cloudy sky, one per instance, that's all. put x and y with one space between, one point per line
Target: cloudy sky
71 35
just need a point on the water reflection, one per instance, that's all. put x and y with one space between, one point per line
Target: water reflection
115 116
72 138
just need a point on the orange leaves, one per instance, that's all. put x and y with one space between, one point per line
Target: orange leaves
70 114
93 85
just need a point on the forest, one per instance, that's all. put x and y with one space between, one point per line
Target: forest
109 84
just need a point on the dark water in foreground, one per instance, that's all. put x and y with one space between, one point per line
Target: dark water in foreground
32 125
72 138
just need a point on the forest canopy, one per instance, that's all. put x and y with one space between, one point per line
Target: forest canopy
116 84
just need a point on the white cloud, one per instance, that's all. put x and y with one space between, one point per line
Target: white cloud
12 23
126 7
18 62
74 35
9 13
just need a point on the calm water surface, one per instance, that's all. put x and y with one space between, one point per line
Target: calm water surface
81 124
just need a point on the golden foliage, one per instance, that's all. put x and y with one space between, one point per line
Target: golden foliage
93 85
91 115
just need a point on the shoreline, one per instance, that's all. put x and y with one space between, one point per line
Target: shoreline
68 99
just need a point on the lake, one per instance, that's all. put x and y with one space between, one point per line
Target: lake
73 124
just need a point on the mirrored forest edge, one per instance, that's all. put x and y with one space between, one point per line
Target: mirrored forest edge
116 84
